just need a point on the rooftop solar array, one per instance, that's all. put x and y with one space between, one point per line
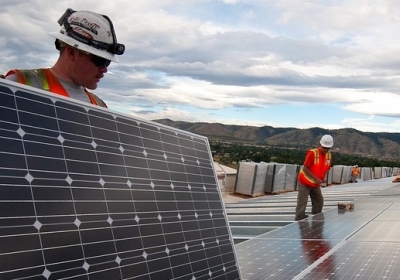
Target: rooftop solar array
363 243
87 193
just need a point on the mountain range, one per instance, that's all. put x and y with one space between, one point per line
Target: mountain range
380 145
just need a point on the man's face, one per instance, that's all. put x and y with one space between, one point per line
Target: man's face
86 72
325 150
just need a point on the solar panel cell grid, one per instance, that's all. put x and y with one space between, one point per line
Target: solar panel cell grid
86 193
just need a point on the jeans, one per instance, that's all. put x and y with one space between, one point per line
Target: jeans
317 201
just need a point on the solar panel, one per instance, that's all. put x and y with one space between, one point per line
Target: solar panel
88 193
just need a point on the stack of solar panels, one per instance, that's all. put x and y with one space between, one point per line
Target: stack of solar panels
251 178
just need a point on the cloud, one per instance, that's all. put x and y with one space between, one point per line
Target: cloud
231 54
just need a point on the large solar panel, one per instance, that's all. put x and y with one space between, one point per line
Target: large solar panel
88 193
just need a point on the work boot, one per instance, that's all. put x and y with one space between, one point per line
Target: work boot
302 218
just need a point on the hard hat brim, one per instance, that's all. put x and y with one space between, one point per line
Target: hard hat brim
83 47
326 146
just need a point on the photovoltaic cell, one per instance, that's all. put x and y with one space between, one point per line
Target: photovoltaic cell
87 193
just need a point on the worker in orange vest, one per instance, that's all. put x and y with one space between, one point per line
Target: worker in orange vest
317 163
87 44
354 174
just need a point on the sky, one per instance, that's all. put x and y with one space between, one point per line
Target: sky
283 63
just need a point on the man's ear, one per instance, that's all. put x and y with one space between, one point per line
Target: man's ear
71 52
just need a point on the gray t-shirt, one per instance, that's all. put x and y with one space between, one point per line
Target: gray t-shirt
74 91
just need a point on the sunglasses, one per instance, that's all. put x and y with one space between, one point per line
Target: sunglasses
97 60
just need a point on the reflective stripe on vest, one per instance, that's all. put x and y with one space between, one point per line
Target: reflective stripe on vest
50 83
316 156
309 179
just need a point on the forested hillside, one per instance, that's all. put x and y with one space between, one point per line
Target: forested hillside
382 146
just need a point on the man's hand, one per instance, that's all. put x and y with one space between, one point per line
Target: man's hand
2 76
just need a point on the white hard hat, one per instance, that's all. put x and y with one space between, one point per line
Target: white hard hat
326 141
90 32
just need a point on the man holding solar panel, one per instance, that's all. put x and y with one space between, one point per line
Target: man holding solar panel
87 45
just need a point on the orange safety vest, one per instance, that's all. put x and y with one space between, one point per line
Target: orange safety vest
50 83
322 163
